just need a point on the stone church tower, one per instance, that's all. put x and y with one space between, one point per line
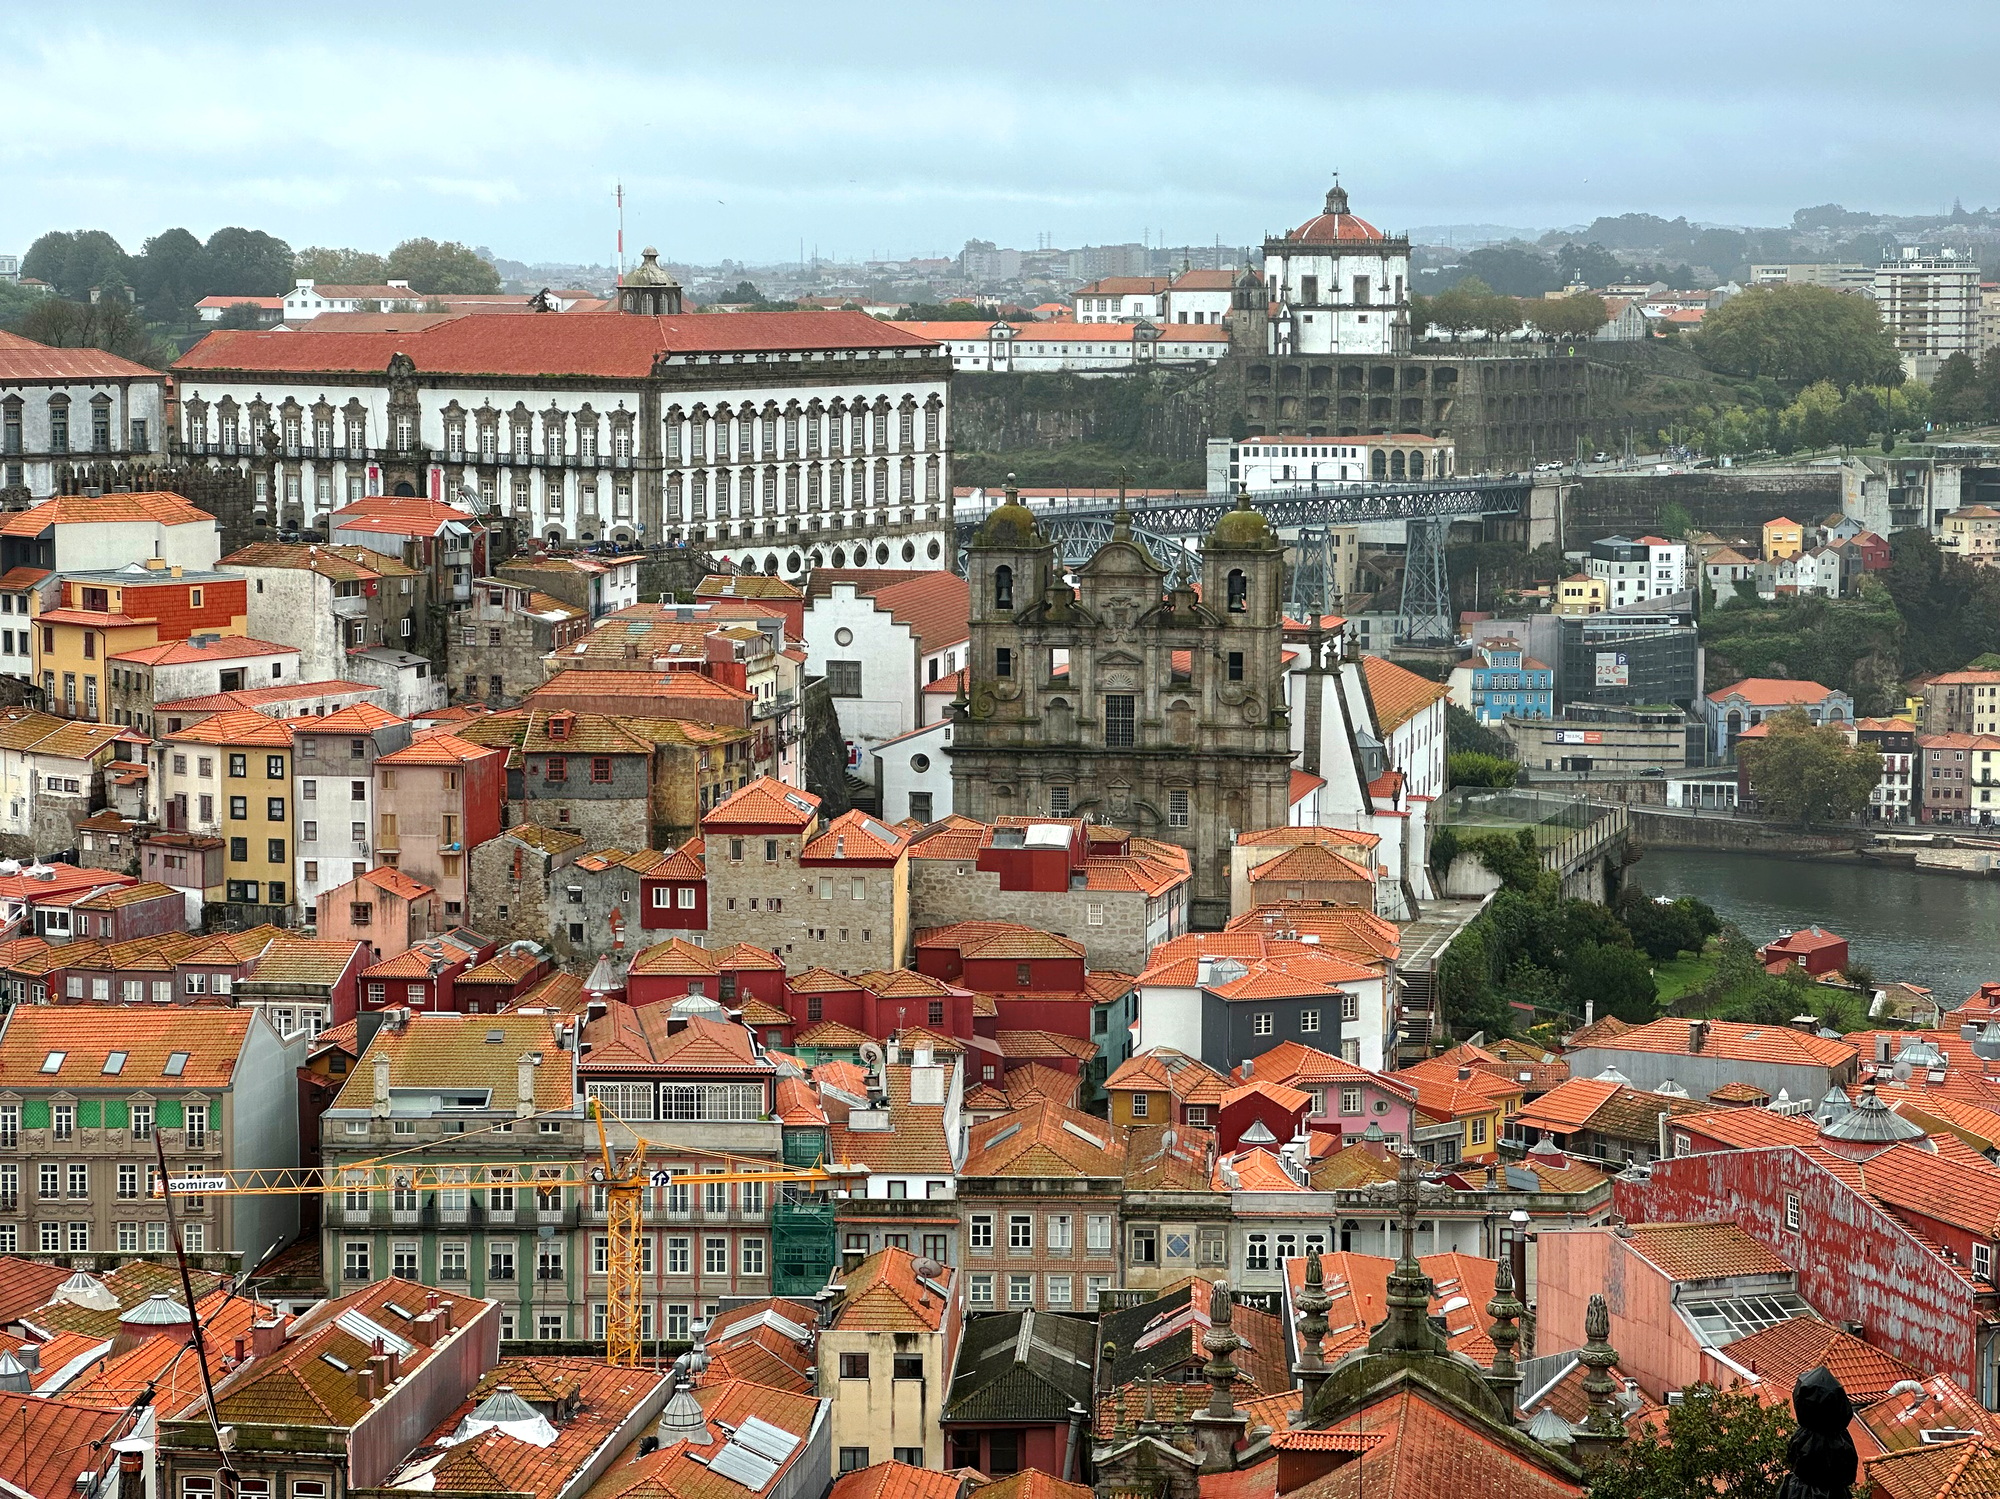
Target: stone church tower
1130 698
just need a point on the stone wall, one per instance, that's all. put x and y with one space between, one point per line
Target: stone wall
1657 828
1721 500
943 891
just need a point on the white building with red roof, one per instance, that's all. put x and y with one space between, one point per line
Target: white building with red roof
768 437
880 640
65 406
1338 285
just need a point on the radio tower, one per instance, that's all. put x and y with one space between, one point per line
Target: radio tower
621 230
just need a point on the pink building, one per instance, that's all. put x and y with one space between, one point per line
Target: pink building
384 908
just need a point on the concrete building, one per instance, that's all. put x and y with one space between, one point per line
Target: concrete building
384 909
890 1337
88 1088
334 758
500 638
1501 680
1731 710
1299 462
1930 305
1962 702
1850 277
831 429
429 1076
230 776
1648 656
1581 594
1613 742
64 406
1637 572
1039 1197
1134 895
436 798
879 643
1703 1055
330 602
515 875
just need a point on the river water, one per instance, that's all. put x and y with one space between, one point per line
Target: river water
1937 930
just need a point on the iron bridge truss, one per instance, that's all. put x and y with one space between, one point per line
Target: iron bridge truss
1169 529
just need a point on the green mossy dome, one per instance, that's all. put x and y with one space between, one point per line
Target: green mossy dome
1242 527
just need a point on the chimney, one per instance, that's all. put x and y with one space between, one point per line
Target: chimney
242 1349
380 1108
446 1310
1465 1074
424 1328
1248 1069
131 1476
267 1337
393 1368
1697 1034
365 1388
524 1085
379 1363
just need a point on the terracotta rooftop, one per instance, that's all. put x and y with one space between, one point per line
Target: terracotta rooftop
1398 693
74 1046
763 803
1045 1139
466 1051
884 1294
1730 1040
1703 1251
98 510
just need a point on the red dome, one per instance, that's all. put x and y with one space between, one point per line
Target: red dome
1336 225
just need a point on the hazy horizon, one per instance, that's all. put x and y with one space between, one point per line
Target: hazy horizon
907 130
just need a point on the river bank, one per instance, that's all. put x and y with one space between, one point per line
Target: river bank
1901 922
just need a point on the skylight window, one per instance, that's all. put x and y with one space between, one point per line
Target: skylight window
176 1064
114 1064
53 1061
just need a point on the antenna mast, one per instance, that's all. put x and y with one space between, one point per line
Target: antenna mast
621 230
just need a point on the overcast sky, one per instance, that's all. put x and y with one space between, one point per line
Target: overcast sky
899 129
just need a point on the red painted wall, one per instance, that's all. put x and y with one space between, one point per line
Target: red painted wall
1254 1108
672 917
1855 1263
1003 975
483 791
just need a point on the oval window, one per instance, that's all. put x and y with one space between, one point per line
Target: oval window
843 636
920 763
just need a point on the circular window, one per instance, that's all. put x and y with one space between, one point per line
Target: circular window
909 552
920 763
932 549
843 636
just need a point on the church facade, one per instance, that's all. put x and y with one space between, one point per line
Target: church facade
1132 698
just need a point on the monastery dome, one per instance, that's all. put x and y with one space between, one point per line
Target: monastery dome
1335 225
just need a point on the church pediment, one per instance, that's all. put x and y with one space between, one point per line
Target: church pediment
1121 559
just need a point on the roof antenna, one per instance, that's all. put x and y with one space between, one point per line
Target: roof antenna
229 1483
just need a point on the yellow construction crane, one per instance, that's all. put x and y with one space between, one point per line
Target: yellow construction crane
623 1178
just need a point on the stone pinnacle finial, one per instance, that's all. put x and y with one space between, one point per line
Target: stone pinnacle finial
1599 1357
1221 1341
1504 1377
1313 1304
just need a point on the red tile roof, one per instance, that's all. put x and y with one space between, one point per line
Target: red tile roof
208 1042
24 359
884 1294
1771 692
894 1480
764 802
935 606
51 1445
1732 1041
97 510
1045 1139
1779 1354
1703 1251
207 648
1398 693
609 344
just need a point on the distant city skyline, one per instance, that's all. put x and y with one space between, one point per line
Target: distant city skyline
755 135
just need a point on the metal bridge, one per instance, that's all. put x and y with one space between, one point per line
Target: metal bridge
1169 529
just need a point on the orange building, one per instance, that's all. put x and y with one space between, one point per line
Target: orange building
99 614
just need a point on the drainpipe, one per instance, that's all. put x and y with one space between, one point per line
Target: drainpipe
1076 1418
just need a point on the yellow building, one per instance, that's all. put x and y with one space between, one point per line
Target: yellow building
1972 534
230 776
99 614
1581 594
1783 537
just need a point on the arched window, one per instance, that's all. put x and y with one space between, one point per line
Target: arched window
1416 465
1239 591
1003 587
1396 465
1378 464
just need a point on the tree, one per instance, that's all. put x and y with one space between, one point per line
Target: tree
1420 315
170 275
1458 309
746 291
248 262
1516 270
1956 394
1573 317
1800 334
1464 732
110 325
242 315
1807 773
1469 768
447 269
1712 1443
1617 980
81 265
1499 315
1591 264
332 267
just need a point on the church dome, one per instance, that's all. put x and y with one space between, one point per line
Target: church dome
649 271
1242 527
1011 524
1335 225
